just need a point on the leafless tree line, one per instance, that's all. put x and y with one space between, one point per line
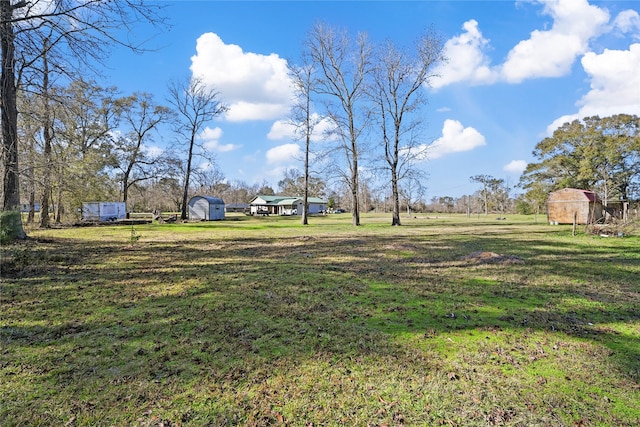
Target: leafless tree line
373 96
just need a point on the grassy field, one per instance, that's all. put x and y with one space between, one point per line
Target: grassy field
261 321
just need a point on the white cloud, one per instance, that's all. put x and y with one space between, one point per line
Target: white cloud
211 140
153 150
283 154
34 9
615 85
256 87
205 166
283 129
546 53
220 148
466 58
243 110
615 81
210 134
628 21
515 166
551 53
455 138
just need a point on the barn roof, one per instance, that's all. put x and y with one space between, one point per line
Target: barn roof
585 195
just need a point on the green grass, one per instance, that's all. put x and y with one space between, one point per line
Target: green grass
261 321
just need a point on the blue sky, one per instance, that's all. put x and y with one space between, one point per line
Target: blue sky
516 71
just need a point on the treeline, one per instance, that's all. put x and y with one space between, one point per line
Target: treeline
76 141
83 142
44 43
67 140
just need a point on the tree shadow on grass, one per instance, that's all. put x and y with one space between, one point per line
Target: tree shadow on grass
174 314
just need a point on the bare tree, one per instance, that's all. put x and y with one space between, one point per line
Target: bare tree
412 190
343 67
235 193
398 95
80 32
140 116
295 183
47 137
209 180
195 105
29 145
302 116
490 187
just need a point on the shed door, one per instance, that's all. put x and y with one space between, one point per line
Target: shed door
216 211
201 209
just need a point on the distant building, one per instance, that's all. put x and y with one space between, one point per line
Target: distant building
206 208
26 207
285 205
236 207
569 203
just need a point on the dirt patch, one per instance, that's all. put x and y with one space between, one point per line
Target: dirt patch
401 247
491 258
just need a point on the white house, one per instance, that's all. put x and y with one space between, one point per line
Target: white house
285 205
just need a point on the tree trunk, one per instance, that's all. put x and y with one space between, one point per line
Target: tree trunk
46 178
59 205
47 135
59 196
396 198
31 216
125 188
30 178
305 198
9 113
185 193
486 203
355 216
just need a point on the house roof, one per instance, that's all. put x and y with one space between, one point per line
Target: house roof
286 200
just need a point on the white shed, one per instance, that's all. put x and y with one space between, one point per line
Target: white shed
206 208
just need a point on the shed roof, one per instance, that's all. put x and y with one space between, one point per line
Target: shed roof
212 200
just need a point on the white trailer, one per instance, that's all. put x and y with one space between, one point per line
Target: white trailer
104 211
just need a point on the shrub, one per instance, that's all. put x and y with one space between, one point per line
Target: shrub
10 226
523 207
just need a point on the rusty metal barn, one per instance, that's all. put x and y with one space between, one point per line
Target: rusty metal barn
563 206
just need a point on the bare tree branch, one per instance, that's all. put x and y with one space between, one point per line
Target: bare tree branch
195 105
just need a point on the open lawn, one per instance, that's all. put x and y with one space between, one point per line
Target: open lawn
261 321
